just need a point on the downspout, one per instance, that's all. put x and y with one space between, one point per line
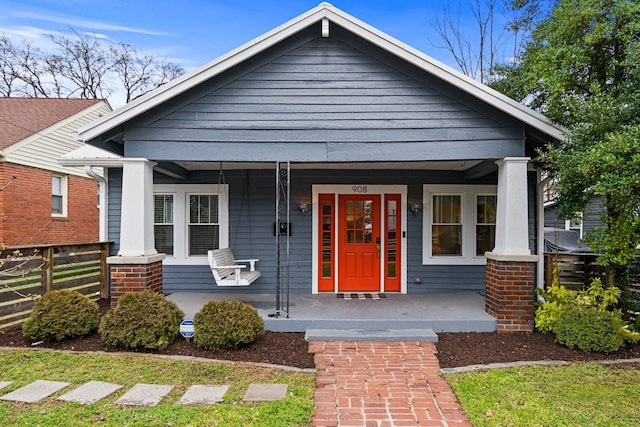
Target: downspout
540 196
102 204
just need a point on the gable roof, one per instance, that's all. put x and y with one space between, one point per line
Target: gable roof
328 14
21 118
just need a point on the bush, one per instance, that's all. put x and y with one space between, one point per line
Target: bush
226 324
141 320
589 329
587 319
61 314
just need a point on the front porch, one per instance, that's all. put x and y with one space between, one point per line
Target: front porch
441 312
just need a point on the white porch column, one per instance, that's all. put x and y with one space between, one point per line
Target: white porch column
512 228
136 219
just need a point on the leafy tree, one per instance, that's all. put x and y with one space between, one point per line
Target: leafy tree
582 69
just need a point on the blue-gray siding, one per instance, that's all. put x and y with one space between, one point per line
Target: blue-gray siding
590 221
333 99
252 212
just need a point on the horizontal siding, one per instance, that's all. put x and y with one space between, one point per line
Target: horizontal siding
323 91
252 216
44 151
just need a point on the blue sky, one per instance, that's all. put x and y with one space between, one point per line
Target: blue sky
193 32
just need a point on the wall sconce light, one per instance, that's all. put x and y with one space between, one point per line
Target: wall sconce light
304 207
415 207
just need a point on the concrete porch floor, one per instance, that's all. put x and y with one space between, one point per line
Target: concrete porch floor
444 312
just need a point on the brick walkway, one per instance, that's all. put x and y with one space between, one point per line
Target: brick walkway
382 384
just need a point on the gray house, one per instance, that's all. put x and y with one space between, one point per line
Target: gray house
340 157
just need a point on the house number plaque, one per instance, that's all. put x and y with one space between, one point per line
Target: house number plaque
359 188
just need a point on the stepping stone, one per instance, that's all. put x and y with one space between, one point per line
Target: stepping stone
4 384
204 395
265 392
144 395
35 391
90 392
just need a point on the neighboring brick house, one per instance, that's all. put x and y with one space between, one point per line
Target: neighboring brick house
42 202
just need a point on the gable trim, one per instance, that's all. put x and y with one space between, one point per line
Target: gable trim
322 12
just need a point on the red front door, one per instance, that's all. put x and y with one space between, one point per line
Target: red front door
359 243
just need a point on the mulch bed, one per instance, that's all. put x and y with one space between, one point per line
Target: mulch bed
463 349
290 348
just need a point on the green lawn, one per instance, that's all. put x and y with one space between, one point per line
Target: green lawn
578 395
23 367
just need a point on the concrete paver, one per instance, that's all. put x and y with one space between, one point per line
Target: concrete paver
4 384
35 391
90 392
144 395
265 392
204 395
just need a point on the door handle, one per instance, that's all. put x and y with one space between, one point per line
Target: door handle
378 251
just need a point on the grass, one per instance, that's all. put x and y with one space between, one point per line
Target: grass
24 367
577 395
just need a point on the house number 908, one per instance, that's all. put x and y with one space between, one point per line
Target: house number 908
359 188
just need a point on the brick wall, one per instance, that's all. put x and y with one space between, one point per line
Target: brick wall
510 294
130 278
25 203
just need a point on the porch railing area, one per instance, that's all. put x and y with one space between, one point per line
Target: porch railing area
32 271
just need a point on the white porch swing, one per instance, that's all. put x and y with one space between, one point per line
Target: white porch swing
226 269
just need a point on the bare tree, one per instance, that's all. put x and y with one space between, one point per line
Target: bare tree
523 17
80 66
473 49
85 62
140 71
482 45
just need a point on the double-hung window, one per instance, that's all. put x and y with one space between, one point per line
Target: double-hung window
163 222
190 219
459 223
58 195
204 225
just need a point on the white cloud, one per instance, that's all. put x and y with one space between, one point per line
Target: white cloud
84 23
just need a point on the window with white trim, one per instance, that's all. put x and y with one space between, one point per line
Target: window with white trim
189 220
163 223
58 195
459 223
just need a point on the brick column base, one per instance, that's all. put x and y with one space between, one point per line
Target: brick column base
134 274
510 291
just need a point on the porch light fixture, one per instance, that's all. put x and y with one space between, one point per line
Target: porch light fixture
304 207
415 207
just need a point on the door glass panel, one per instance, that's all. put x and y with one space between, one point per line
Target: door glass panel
392 215
326 212
359 221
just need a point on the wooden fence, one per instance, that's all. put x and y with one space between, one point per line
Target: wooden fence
26 273
576 271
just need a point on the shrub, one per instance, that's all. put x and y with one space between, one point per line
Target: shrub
141 320
587 319
226 324
589 329
61 314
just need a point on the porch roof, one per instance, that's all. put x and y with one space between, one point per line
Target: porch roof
111 124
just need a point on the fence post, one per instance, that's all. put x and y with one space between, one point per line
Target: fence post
548 270
47 270
104 271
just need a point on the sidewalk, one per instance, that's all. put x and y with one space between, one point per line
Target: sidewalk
382 384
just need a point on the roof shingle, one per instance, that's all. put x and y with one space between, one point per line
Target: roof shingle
22 117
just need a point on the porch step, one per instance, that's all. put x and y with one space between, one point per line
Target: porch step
385 335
